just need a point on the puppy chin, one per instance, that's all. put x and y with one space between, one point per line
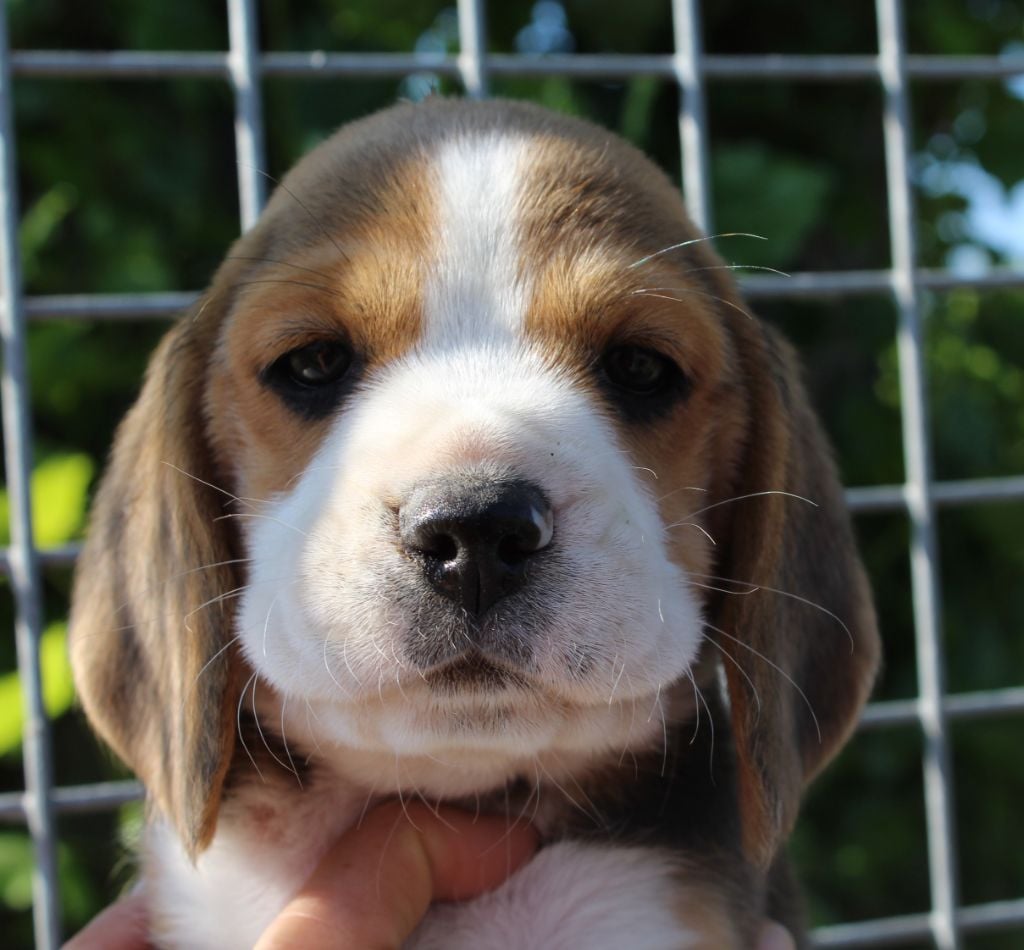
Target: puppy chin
462 745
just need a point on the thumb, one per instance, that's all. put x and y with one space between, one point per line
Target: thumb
377 881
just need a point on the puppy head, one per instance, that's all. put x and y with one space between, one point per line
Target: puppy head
481 431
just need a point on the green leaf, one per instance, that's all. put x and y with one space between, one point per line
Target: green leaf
40 224
58 688
60 489
15 870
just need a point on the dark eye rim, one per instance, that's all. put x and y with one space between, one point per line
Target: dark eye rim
666 366
335 372
643 402
313 399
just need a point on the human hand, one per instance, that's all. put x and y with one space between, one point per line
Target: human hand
372 887
375 884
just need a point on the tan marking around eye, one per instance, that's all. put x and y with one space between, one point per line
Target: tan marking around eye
343 248
592 209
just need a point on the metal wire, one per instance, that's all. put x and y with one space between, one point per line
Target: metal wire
22 555
243 66
924 558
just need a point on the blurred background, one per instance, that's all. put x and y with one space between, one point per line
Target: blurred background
130 186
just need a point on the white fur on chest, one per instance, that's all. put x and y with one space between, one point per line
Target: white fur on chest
267 844
571 895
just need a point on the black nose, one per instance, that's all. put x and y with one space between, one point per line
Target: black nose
475 535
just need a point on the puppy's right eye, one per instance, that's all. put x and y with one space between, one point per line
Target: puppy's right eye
312 379
318 364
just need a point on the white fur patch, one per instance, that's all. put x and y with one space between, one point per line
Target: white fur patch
476 288
571 896
266 846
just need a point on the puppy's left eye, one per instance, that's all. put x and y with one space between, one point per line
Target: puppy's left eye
312 379
642 381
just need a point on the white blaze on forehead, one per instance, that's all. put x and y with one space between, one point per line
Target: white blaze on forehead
475 288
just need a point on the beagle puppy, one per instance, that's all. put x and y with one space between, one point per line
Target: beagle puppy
472 479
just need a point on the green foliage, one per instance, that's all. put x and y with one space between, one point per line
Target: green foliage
788 211
60 486
58 689
78 894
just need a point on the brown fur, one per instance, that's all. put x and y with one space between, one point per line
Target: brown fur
146 663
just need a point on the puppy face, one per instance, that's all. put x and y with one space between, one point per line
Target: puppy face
487 409
456 436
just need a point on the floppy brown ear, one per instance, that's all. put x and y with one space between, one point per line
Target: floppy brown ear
146 629
805 673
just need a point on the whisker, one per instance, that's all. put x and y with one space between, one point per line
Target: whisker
697 240
537 788
756 494
675 491
366 805
348 666
629 732
152 588
615 685
247 514
248 502
238 722
220 598
283 280
777 668
398 676
724 590
693 524
644 468
263 738
759 267
284 739
697 293
266 623
387 844
572 801
330 672
312 732
784 593
696 703
401 800
711 726
664 729
436 811
601 819
312 468
207 664
301 204
515 823
270 260
742 672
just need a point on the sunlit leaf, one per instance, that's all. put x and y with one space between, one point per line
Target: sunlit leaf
58 688
60 488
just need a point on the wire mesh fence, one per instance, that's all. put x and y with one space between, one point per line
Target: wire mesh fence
244 66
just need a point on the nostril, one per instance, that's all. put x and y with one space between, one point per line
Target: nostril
439 546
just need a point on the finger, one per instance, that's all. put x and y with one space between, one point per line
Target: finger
374 886
122 926
774 936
